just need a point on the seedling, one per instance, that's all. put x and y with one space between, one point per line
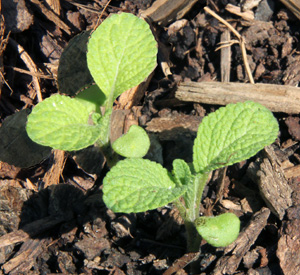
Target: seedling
121 54
229 135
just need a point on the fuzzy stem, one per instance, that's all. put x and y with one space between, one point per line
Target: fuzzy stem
193 201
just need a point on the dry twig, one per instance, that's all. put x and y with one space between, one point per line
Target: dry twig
240 39
30 65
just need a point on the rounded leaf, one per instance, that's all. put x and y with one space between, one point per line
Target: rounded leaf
134 144
121 53
219 231
137 185
232 134
61 122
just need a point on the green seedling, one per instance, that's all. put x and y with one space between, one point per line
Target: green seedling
229 135
121 53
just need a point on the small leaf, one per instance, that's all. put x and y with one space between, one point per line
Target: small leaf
121 53
137 185
62 123
182 172
219 231
232 134
134 144
16 148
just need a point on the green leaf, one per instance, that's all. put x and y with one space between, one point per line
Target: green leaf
181 171
232 134
92 98
137 185
134 144
219 231
121 53
61 122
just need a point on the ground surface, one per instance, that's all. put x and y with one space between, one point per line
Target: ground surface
66 227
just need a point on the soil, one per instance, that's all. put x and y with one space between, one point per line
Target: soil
52 217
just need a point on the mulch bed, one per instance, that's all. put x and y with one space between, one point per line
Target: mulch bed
52 217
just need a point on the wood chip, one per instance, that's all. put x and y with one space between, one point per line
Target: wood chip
225 57
277 98
26 256
246 15
52 176
249 4
17 17
293 6
163 12
289 247
273 186
181 263
51 16
169 128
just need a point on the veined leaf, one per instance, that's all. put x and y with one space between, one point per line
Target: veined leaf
219 231
137 185
121 53
134 144
62 123
232 134
182 172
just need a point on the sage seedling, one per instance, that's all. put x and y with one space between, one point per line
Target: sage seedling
121 54
229 135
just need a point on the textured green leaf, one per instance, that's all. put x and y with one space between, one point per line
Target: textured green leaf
219 231
134 144
181 171
232 134
121 53
137 185
62 123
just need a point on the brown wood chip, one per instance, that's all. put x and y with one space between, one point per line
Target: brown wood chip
273 186
277 98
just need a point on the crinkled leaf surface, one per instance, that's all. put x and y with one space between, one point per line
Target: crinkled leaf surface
182 172
134 144
232 134
219 231
62 123
121 53
137 185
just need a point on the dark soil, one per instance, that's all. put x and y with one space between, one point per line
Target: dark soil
52 217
